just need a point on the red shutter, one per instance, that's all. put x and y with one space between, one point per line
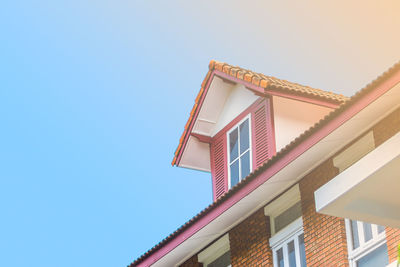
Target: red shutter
219 166
263 143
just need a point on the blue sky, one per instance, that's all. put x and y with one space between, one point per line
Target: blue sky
95 94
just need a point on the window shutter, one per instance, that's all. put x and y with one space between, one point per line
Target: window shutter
219 166
262 133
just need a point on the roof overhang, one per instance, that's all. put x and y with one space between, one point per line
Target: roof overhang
196 149
368 190
193 149
281 172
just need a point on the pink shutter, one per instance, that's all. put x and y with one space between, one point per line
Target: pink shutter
262 133
219 166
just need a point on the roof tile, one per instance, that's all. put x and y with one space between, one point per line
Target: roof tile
233 72
255 80
240 74
226 69
264 83
258 79
247 77
271 161
218 65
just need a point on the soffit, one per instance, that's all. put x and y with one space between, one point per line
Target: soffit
261 81
271 179
366 191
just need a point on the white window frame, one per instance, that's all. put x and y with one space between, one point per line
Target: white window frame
290 232
239 154
283 203
364 248
283 238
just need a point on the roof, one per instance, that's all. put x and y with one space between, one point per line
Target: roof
334 114
267 83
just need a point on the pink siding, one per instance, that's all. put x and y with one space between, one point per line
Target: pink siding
219 169
278 165
263 144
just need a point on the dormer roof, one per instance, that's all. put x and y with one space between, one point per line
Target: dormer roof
259 84
371 102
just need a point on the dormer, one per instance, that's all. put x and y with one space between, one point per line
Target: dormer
240 119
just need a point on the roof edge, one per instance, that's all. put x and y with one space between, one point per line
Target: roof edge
253 79
358 96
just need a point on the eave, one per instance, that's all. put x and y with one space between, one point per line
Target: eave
283 170
260 85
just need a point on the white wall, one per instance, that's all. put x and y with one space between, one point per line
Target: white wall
293 117
238 100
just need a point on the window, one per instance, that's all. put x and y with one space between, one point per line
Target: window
287 241
289 250
243 145
366 244
217 254
239 152
222 261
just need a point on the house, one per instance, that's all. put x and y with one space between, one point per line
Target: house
300 176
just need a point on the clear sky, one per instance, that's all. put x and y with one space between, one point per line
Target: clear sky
95 94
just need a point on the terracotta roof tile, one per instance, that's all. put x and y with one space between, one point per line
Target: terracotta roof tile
258 79
271 161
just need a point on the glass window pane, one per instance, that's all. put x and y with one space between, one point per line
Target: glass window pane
354 233
245 164
233 145
376 258
302 251
367 231
244 136
279 257
234 173
380 228
222 261
292 254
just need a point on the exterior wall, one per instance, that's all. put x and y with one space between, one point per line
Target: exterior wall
387 127
261 142
249 241
324 236
392 240
192 262
293 117
238 100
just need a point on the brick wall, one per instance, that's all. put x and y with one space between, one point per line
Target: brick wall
249 241
387 127
393 240
192 262
324 236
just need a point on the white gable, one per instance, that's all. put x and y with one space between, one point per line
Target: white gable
225 100
238 100
293 117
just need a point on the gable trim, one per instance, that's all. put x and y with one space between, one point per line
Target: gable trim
271 90
258 83
195 112
307 140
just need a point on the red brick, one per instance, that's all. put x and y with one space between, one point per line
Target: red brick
249 241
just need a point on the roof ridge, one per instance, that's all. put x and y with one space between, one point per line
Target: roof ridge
220 66
369 87
259 80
